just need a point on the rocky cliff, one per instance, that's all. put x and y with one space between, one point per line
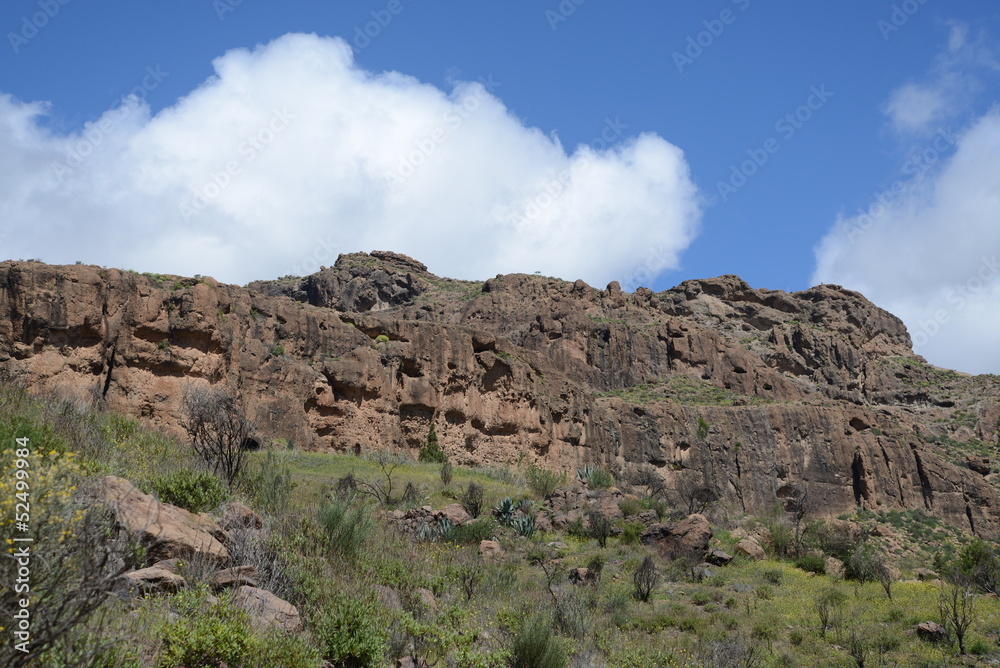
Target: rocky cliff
754 395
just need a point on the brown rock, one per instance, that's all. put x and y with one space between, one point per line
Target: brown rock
980 465
717 557
525 364
239 516
427 599
165 531
267 610
389 598
582 576
151 580
835 567
490 550
455 513
231 578
925 574
931 631
751 548
687 537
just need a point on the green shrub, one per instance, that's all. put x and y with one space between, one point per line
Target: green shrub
278 350
350 632
431 451
473 499
536 647
217 635
346 525
270 483
812 563
446 473
600 479
632 507
286 650
473 532
544 482
630 533
773 575
600 526
381 338
197 491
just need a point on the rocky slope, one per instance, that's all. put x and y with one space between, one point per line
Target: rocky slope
755 395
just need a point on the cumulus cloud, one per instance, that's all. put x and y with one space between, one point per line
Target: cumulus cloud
928 250
292 153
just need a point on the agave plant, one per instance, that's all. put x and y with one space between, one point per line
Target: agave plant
504 511
425 532
526 506
583 475
445 529
524 526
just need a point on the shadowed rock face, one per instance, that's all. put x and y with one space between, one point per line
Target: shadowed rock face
756 395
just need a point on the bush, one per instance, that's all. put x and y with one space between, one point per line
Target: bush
600 479
381 338
644 579
812 563
346 525
536 647
600 526
218 635
197 491
350 632
473 532
432 452
544 482
631 532
446 473
473 499
270 483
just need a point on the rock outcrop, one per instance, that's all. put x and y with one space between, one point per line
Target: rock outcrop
746 396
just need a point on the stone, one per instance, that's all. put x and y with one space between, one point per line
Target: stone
490 550
230 578
388 597
240 516
690 536
165 531
925 574
427 599
648 517
151 580
717 557
931 632
410 662
267 610
751 548
581 576
980 465
835 567
455 513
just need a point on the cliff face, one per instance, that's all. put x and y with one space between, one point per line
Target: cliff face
756 395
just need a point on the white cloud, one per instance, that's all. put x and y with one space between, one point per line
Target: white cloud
295 149
930 254
914 107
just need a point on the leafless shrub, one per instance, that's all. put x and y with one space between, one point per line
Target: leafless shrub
219 429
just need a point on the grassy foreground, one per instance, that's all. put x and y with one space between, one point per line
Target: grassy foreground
370 594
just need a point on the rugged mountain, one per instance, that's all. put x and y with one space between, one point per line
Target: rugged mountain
755 395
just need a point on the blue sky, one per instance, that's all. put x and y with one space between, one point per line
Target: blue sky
708 85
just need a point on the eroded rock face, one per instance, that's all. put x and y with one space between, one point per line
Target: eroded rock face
689 537
757 396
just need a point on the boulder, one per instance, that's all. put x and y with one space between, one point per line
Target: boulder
751 548
239 516
455 514
690 536
267 610
388 597
490 549
835 567
151 580
925 574
717 557
230 578
582 576
931 631
980 465
427 599
165 531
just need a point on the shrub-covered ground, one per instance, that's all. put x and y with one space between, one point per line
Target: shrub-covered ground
370 593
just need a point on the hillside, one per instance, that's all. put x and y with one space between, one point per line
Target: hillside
754 395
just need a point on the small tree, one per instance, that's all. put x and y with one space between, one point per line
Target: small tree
219 429
473 498
432 452
957 606
600 526
644 579
382 490
446 473
826 607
